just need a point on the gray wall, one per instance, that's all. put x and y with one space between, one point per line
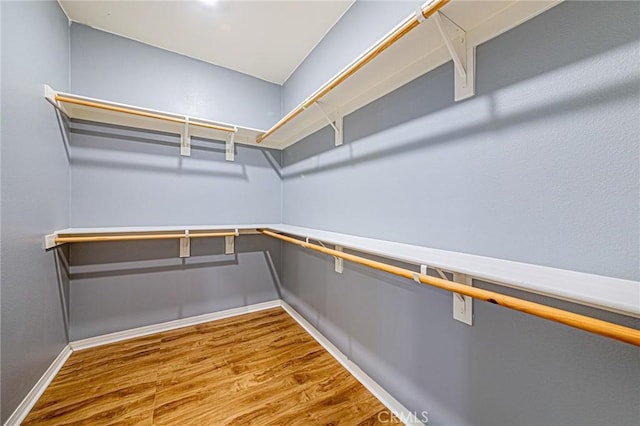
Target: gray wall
35 193
110 67
118 286
508 369
340 46
541 166
127 177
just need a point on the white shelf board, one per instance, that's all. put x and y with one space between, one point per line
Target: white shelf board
419 52
114 230
611 294
244 135
606 293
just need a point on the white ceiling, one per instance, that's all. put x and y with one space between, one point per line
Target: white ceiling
265 39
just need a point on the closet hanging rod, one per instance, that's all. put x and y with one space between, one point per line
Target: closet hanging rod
67 99
429 9
593 325
134 237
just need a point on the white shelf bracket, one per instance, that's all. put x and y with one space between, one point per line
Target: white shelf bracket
339 261
185 245
336 123
50 241
230 148
185 140
462 53
463 305
230 243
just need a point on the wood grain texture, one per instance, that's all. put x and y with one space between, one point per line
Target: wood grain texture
147 114
582 322
255 369
139 236
364 59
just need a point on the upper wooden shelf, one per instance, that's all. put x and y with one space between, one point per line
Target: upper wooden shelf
440 31
103 111
415 47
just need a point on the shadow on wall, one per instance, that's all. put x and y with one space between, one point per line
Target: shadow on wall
117 286
405 112
111 146
121 258
61 262
368 125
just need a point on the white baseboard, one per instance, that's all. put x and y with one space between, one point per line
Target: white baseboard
399 410
170 325
38 389
385 398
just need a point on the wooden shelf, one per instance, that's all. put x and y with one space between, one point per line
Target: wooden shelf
103 111
606 293
111 230
418 52
421 50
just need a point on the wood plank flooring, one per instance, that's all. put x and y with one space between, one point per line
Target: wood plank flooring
255 369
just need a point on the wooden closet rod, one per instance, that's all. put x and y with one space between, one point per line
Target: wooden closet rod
382 45
593 325
134 237
61 98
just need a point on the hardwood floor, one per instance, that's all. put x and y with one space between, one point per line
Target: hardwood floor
258 369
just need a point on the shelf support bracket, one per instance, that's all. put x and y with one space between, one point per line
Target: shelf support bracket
185 140
336 123
230 148
185 245
339 261
229 243
462 305
463 309
462 53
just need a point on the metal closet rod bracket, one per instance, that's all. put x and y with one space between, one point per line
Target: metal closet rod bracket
462 53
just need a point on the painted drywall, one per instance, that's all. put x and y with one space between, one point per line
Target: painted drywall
541 166
125 177
340 46
110 67
35 194
129 177
507 369
118 286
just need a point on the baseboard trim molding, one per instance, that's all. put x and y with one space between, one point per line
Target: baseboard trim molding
21 411
118 336
38 389
399 410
